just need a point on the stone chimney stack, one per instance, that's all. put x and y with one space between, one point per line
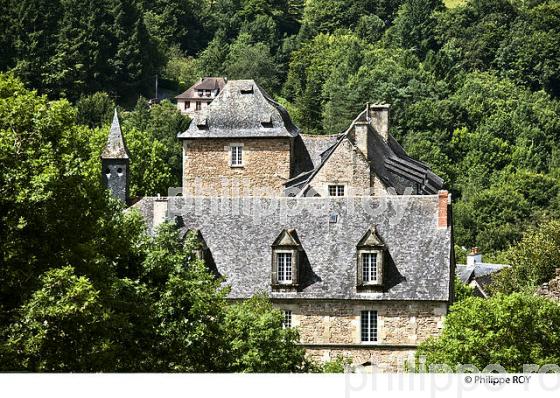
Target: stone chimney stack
115 160
361 135
474 257
379 114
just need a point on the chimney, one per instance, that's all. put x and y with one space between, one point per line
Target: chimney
361 136
474 257
443 202
379 114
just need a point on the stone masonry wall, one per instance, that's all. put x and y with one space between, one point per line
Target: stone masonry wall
331 328
207 170
347 166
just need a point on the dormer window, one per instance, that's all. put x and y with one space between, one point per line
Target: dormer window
286 253
370 251
369 267
284 261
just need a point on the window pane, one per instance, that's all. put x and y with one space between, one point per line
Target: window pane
369 326
236 155
336 190
369 267
287 322
284 267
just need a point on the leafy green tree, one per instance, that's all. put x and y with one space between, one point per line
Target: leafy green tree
95 110
36 24
462 290
46 188
80 63
533 260
258 341
177 23
415 25
477 28
159 123
507 330
63 326
252 61
211 61
135 57
532 54
7 39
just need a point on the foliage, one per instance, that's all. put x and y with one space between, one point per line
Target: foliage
95 110
462 290
258 341
82 287
252 61
533 260
507 330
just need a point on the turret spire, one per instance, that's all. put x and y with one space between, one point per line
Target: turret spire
115 160
115 147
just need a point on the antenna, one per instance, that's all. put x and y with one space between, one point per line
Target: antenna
156 87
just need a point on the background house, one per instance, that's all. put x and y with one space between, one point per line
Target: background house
198 96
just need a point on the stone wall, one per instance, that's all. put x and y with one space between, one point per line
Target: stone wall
348 166
207 171
331 328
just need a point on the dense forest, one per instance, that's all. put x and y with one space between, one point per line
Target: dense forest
475 93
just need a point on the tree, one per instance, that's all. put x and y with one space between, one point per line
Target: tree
533 260
252 61
36 24
462 290
80 63
415 25
63 326
95 110
507 330
531 56
258 342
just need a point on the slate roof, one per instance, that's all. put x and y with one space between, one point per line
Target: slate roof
240 232
115 147
466 273
388 160
241 110
206 83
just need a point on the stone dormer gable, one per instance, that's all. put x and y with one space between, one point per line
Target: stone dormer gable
286 258
115 147
370 261
241 110
287 238
371 239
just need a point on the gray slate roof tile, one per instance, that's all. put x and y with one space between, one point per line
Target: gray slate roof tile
418 253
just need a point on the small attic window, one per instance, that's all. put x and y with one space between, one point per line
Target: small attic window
202 124
266 121
246 89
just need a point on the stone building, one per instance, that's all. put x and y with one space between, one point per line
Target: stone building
346 234
198 96
478 274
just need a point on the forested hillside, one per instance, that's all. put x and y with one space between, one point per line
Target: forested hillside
474 87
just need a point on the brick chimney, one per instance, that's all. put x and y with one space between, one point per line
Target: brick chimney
443 203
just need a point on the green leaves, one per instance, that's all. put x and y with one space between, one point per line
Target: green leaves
507 330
